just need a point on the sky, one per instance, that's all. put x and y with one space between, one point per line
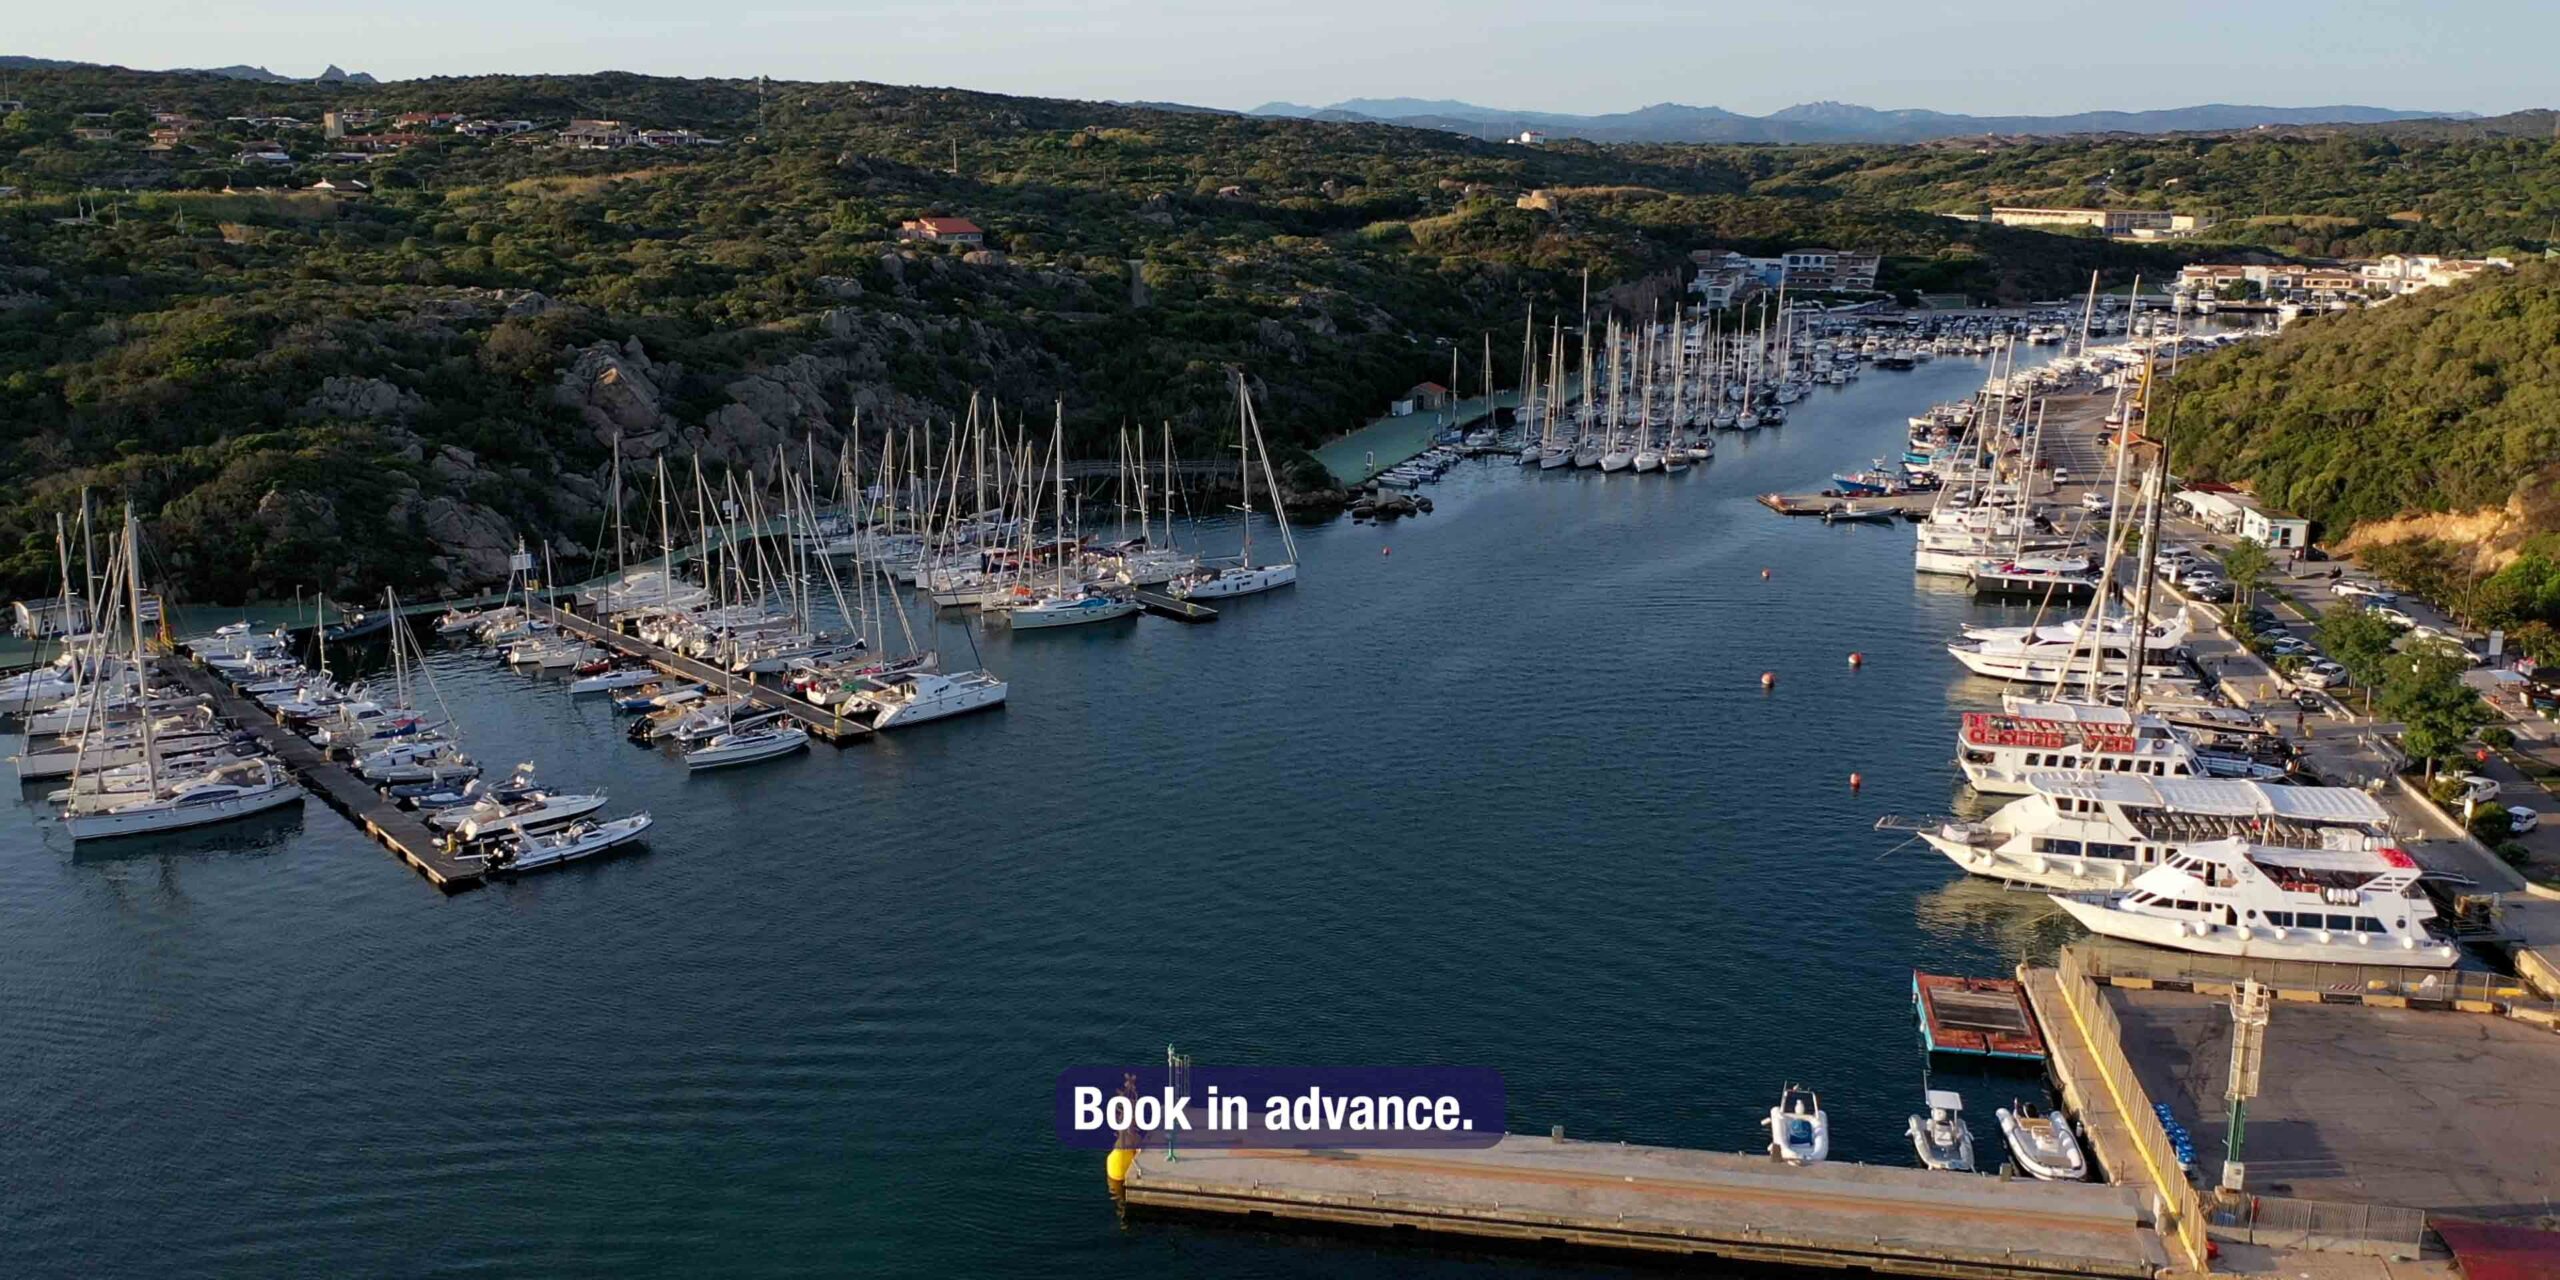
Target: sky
1588 56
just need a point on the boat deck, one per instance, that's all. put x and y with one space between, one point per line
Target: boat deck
1986 1016
819 721
396 828
1661 1200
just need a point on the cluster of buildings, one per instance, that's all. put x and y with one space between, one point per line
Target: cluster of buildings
2388 276
2133 224
614 135
2229 511
1726 277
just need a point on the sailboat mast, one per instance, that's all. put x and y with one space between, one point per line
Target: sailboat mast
141 672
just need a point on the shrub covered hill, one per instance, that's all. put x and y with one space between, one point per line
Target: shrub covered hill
348 389
2432 416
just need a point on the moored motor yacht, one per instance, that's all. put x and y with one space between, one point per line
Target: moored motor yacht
2089 831
580 839
2234 898
913 697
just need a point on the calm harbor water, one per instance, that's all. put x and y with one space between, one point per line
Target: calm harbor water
1497 786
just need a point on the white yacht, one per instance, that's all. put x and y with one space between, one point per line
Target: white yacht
1997 751
2046 654
1234 580
578 840
2043 1144
234 790
746 747
531 815
2087 831
1243 577
622 678
2235 898
913 697
1070 609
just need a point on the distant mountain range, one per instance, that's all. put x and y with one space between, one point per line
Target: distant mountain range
1821 121
15 62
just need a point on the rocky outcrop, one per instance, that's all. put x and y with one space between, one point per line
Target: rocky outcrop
361 400
615 391
473 543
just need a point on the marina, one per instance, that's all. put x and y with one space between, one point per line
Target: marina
728 806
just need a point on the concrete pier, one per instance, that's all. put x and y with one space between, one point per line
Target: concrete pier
819 721
1660 1200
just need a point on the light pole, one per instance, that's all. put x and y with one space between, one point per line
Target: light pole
2249 1006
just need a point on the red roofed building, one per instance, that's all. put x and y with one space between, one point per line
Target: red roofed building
942 231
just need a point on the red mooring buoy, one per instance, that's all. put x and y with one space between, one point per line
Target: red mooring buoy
1857 659
1764 575
1768 679
1856 781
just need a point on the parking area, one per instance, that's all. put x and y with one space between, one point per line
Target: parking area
2454 1113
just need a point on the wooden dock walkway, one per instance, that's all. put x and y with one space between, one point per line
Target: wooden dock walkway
1180 610
820 721
396 828
1660 1200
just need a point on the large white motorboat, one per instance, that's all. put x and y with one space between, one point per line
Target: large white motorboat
531 814
2087 831
2048 653
1998 750
746 747
237 789
2235 898
577 840
913 697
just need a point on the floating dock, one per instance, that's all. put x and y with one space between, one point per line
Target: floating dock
396 828
1180 610
1667 1201
1984 1016
819 721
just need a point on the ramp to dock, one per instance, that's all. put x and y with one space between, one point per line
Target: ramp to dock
1666 1200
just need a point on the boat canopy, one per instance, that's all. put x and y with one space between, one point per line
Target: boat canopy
2217 797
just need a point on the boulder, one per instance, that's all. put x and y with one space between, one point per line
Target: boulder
361 400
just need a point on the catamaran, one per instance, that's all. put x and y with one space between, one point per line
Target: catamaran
2234 898
913 697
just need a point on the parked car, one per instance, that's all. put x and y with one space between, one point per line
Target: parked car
2477 789
2521 819
2062 475
2209 590
2351 589
2323 675
2288 645
2392 616
2094 501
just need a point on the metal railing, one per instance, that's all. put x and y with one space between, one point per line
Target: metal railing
2181 1213
2386 1230
2355 980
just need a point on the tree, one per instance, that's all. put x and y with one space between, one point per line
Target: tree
2246 564
2357 640
2436 710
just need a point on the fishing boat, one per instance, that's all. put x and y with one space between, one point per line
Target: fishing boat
746 747
1940 1136
2095 831
577 840
2265 902
1799 1133
2042 1144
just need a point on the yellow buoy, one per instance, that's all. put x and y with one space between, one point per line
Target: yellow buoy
1118 1166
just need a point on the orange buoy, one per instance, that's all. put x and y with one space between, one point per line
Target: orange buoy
1856 781
1857 659
1768 679
1764 575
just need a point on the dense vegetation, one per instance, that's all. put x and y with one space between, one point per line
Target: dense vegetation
301 388
2446 401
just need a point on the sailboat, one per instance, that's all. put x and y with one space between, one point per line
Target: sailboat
1245 577
1065 605
234 789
